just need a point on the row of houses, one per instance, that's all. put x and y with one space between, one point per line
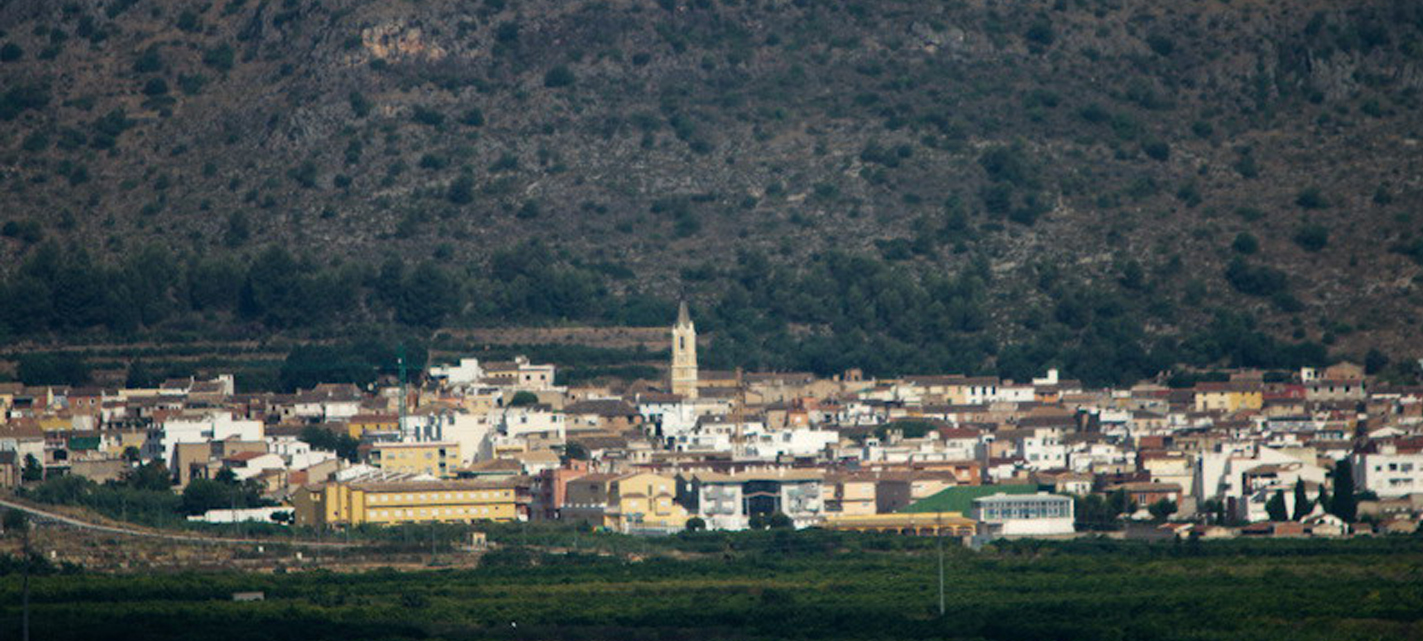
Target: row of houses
730 449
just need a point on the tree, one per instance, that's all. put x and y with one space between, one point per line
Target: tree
202 495
756 522
52 369
1161 510
1275 507
15 521
1375 361
696 524
1345 505
344 445
575 451
152 476
779 521
523 399
1119 503
140 376
1303 506
32 471
430 295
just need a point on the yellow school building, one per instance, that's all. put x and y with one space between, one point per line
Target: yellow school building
395 502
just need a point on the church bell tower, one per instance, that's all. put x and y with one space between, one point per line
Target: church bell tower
684 354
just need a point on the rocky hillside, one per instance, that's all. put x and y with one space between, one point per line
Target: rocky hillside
1089 163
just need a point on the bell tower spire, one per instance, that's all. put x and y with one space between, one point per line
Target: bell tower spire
684 354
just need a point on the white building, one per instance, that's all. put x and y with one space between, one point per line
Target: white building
728 501
473 431
772 444
1040 514
466 372
1389 473
522 421
164 438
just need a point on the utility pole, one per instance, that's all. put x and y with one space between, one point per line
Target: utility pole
939 534
25 625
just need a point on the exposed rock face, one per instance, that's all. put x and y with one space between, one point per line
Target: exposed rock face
400 42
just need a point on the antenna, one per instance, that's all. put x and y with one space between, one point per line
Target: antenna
400 360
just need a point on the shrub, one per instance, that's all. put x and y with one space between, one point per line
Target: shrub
19 98
1162 45
360 106
1157 150
305 174
148 62
474 117
35 142
11 52
1255 280
1311 198
1245 243
1040 33
559 76
155 87
427 116
221 57
433 162
461 191
1312 237
1007 164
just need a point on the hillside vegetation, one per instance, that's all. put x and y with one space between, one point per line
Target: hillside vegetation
1110 186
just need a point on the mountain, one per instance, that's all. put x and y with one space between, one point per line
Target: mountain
1110 185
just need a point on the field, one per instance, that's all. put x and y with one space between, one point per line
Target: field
780 586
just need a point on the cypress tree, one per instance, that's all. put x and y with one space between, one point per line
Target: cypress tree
1344 504
1276 507
1303 506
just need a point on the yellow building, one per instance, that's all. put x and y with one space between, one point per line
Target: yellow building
394 502
56 423
624 502
644 501
849 494
913 523
435 458
360 424
116 441
1228 397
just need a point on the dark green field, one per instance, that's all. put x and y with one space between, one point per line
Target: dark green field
790 589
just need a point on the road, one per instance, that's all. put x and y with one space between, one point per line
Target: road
45 515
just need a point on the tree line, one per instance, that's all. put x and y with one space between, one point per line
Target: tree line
837 311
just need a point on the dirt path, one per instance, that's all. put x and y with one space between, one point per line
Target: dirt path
45 515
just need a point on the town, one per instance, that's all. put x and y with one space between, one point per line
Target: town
1316 453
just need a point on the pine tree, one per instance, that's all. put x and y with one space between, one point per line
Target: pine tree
1275 507
1303 506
